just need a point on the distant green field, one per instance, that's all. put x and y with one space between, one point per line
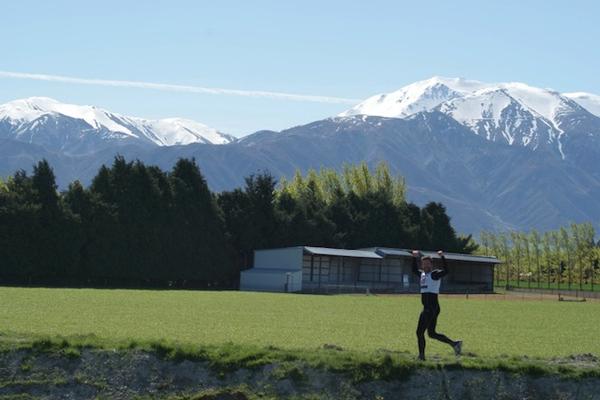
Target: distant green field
488 327
524 283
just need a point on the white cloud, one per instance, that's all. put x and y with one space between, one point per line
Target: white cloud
177 88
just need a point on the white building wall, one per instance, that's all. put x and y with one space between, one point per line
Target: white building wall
273 268
289 258
265 280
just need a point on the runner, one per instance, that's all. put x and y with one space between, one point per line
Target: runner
430 280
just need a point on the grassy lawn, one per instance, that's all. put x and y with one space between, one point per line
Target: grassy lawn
360 323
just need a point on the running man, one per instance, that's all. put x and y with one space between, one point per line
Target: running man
430 280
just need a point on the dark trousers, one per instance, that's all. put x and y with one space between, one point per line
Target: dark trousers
427 322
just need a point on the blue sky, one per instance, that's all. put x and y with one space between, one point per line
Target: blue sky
348 49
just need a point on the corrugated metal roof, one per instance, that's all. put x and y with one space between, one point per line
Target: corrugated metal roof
449 256
324 251
393 252
269 271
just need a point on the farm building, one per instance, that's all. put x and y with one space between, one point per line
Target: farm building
378 269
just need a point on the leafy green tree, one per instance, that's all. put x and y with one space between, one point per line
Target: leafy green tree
535 240
203 253
137 225
19 223
548 254
43 184
362 209
567 245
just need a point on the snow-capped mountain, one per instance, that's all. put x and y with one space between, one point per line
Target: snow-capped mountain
499 156
514 113
590 102
80 129
416 97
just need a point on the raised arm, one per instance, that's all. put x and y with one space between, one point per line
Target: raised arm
439 274
415 265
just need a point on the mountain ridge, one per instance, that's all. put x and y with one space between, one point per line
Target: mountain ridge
20 118
513 112
516 167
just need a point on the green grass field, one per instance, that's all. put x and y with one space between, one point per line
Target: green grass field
363 323
552 285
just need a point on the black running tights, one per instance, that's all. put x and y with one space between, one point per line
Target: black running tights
427 322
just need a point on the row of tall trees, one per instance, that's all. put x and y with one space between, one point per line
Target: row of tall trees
137 225
354 209
564 258
134 225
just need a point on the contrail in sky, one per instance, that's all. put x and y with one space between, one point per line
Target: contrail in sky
177 88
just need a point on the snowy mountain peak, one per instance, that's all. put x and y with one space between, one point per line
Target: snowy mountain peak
27 109
428 94
180 131
457 84
513 112
20 116
419 96
590 102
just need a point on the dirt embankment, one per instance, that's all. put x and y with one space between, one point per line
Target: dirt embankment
105 374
